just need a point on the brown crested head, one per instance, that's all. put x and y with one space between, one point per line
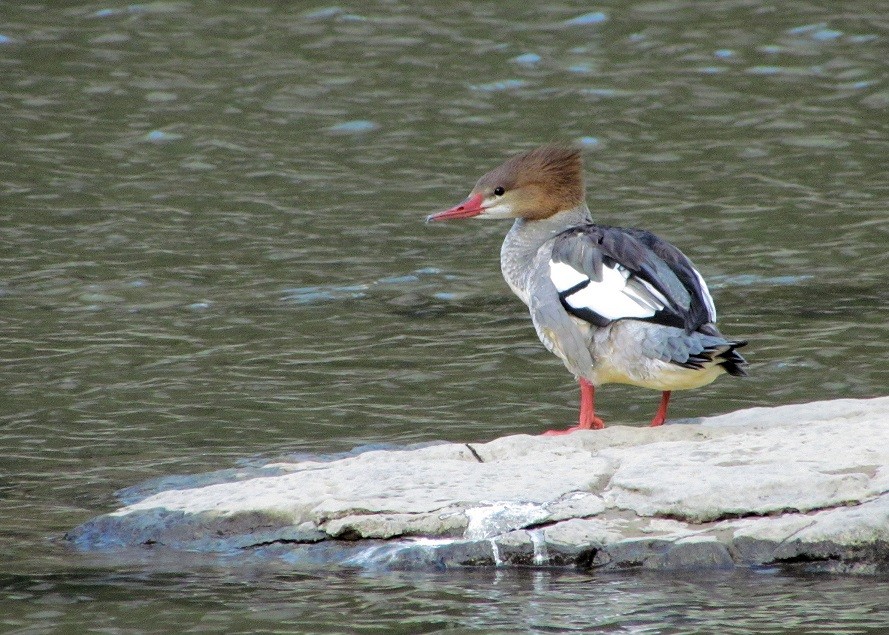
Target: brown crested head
538 183
533 185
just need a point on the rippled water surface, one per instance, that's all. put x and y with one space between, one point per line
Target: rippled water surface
213 250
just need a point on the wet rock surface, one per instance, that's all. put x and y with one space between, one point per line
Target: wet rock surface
804 485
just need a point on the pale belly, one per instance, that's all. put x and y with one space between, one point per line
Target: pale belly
656 375
619 360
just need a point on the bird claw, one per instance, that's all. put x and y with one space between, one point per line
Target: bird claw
558 433
595 424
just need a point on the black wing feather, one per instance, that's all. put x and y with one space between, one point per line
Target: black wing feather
590 247
684 270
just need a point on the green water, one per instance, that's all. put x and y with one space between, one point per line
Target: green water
213 251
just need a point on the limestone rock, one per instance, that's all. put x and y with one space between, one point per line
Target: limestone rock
804 485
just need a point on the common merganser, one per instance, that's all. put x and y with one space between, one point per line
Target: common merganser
616 305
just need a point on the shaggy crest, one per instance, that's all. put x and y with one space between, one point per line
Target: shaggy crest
550 176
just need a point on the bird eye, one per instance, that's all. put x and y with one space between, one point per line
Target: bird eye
498 191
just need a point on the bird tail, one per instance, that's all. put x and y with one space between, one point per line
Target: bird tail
716 348
732 361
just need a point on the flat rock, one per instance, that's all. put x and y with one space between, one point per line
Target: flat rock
804 485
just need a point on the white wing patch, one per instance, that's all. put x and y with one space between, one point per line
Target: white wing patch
565 276
708 299
614 297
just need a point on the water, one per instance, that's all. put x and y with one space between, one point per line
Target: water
213 252
275 601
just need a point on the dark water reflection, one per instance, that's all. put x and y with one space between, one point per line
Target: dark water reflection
269 601
212 244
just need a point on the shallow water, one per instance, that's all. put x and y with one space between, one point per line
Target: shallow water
213 251
275 601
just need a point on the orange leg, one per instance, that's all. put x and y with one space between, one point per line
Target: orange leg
661 415
587 419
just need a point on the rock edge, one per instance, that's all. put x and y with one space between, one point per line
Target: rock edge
804 485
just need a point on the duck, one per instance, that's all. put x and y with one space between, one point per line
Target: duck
617 305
